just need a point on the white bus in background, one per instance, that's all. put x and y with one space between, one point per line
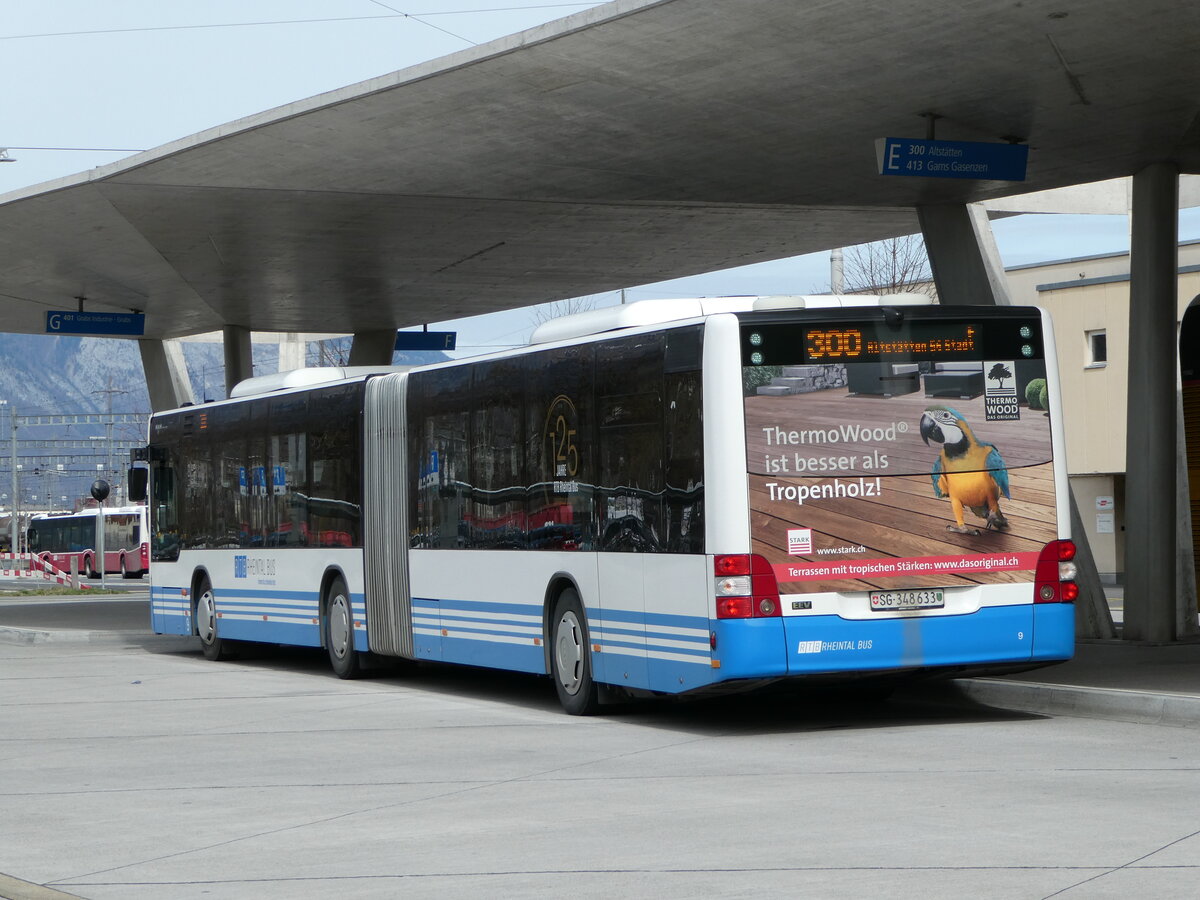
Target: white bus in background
669 497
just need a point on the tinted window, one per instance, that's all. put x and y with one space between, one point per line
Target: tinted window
496 512
561 448
280 471
631 443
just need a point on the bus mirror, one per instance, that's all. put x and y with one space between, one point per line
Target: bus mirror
137 484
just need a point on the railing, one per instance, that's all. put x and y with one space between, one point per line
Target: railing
29 565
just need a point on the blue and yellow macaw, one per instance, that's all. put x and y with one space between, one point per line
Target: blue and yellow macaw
968 471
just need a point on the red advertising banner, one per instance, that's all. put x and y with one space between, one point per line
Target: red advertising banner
890 567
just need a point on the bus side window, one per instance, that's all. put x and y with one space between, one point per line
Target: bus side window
166 517
629 420
497 516
560 449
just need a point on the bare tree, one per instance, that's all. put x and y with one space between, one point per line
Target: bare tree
894 266
329 352
560 308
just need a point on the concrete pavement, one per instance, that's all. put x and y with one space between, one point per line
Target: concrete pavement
131 767
1157 684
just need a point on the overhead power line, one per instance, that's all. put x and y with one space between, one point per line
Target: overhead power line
84 149
395 15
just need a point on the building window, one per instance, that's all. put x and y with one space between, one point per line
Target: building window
1097 348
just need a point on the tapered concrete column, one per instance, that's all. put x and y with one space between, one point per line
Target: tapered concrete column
967 269
373 348
239 359
166 374
963 257
291 352
1150 498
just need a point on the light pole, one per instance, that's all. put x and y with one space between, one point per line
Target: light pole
16 497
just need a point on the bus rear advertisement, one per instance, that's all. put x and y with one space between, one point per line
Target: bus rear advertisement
666 498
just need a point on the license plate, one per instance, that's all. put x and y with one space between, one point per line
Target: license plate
930 598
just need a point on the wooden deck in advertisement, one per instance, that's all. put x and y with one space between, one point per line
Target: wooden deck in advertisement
904 519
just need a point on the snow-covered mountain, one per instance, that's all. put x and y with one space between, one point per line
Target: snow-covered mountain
45 374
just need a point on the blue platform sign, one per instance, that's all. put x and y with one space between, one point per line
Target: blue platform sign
63 321
426 340
951 159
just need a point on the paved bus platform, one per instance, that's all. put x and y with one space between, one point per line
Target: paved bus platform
1115 679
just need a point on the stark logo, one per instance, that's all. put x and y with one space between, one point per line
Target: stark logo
799 541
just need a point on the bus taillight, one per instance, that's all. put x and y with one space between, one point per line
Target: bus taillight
745 587
1054 580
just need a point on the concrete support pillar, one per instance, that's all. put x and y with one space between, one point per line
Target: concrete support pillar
239 359
372 348
1150 496
291 352
166 374
963 257
967 269
1093 617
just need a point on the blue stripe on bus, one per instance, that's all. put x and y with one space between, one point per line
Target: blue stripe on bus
636 649
490 654
480 606
763 648
275 632
638 617
1053 631
170 613
640 650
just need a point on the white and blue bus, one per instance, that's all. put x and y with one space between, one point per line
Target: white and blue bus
669 497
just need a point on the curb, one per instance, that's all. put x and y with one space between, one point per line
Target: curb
13 635
17 889
29 636
1119 704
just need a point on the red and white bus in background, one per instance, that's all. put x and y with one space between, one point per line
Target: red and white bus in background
60 538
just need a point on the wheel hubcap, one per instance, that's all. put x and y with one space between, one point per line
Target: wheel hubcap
206 617
339 626
568 652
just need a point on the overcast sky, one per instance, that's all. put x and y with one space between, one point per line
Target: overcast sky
99 81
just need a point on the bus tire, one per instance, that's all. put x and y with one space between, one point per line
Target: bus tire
213 646
339 630
89 567
124 571
570 657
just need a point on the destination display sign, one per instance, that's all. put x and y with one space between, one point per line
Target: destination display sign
918 340
951 159
107 324
426 340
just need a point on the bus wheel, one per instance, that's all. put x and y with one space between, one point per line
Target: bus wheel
89 567
124 571
339 630
570 661
213 646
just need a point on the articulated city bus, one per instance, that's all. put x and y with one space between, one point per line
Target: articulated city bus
670 497
63 539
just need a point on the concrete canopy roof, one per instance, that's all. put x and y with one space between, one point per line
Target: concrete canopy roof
637 141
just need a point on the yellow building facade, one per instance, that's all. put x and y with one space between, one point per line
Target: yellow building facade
1088 300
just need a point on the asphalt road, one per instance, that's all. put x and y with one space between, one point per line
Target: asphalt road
78 613
134 768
